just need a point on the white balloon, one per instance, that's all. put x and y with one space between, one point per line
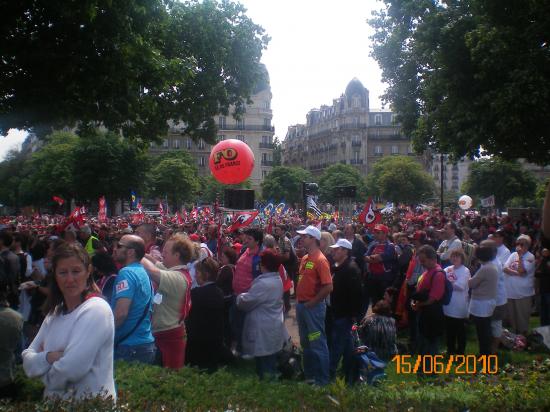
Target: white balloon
465 202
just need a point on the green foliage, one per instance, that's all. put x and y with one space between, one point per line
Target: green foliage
106 164
400 179
174 175
503 179
51 168
142 387
12 174
127 65
285 183
277 152
466 75
340 175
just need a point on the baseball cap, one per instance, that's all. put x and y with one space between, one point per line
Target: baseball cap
343 243
311 231
381 228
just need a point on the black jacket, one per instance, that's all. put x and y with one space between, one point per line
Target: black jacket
346 299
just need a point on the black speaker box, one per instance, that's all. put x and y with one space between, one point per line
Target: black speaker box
242 199
345 191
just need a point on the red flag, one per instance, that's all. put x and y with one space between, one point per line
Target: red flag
58 200
139 216
369 217
102 214
194 213
269 229
184 214
243 219
161 208
179 219
75 220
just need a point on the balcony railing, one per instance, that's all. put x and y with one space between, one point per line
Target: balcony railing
356 144
267 162
356 161
248 127
266 145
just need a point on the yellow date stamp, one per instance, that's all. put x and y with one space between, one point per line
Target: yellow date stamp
439 364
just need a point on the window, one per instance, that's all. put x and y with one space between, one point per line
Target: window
200 161
264 173
356 156
378 150
356 101
176 143
165 143
240 137
221 122
221 137
201 144
240 124
266 139
266 105
395 150
355 121
188 144
378 119
264 157
267 123
393 119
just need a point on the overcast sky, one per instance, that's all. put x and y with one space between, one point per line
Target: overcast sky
316 48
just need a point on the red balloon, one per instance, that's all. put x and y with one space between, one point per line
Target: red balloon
231 161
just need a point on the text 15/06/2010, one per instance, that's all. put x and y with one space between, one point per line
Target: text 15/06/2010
439 364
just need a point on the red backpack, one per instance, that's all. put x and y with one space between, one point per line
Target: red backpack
186 306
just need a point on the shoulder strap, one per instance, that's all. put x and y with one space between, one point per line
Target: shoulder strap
120 340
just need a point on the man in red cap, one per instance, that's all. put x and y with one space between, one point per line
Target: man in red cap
381 258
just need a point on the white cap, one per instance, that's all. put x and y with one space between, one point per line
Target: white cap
312 231
343 243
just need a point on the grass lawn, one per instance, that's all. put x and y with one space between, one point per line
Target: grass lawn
522 383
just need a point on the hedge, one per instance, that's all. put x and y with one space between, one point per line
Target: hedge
149 388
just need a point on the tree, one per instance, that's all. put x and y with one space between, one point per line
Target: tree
51 169
211 189
127 65
106 164
285 183
505 180
12 173
277 152
468 77
400 179
340 175
174 175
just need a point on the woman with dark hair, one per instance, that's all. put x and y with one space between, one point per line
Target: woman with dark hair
484 293
205 348
224 281
73 350
105 272
264 329
378 331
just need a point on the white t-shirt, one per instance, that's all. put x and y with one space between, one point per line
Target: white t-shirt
86 336
523 286
503 253
458 306
502 297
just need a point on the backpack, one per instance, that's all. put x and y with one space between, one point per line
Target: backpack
448 294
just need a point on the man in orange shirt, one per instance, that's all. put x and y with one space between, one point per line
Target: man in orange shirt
314 285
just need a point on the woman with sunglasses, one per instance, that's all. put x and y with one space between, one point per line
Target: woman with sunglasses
520 285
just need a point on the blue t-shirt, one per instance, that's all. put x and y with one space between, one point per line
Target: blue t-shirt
133 283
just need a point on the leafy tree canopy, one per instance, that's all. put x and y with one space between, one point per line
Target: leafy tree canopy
468 77
128 65
174 178
503 179
340 175
285 183
400 179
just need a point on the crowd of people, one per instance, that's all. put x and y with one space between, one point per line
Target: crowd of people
72 303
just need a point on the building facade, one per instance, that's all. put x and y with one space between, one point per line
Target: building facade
254 128
346 132
454 173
